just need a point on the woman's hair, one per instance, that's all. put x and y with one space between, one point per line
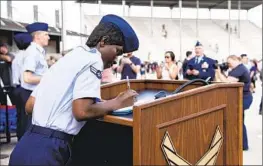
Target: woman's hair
234 57
171 55
255 63
109 32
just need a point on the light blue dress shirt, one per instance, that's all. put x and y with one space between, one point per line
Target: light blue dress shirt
76 75
35 62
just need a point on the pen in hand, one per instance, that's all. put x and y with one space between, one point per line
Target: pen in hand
128 82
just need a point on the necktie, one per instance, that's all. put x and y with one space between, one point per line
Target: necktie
196 60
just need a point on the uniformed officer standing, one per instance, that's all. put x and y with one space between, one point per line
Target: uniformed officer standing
34 65
68 93
201 66
22 41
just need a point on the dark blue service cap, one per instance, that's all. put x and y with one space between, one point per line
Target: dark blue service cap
131 41
198 44
37 26
23 38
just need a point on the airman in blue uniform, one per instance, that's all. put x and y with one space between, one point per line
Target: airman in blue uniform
22 41
34 63
69 94
200 67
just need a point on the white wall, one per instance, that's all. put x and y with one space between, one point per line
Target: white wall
255 15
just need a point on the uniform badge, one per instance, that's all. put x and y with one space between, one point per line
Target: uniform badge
96 72
205 65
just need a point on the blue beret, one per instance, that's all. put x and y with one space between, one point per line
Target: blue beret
131 41
198 44
23 38
37 26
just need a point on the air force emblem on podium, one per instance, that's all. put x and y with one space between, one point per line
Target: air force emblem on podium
209 158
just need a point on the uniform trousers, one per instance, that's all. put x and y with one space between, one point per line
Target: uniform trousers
27 119
247 101
42 146
21 115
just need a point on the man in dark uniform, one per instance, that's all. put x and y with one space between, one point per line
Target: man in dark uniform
201 66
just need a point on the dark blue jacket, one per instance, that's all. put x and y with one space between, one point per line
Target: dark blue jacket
204 73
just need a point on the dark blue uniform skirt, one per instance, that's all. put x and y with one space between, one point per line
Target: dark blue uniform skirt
247 101
26 119
42 146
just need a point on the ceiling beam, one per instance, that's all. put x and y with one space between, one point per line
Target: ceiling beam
246 5
215 5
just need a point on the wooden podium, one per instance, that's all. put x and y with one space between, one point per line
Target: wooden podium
200 126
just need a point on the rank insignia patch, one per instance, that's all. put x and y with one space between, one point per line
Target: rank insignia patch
96 72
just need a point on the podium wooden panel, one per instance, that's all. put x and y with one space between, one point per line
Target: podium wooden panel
192 119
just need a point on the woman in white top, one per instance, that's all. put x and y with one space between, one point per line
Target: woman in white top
169 70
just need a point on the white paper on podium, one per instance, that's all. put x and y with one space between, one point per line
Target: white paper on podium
125 109
128 109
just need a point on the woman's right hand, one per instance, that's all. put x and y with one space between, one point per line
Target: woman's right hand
126 98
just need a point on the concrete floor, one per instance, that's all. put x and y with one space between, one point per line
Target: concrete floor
253 122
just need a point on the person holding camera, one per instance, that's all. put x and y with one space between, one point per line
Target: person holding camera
200 66
238 73
130 66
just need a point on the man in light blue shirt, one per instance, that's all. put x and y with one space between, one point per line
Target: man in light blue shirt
22 41
69 94
34 63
